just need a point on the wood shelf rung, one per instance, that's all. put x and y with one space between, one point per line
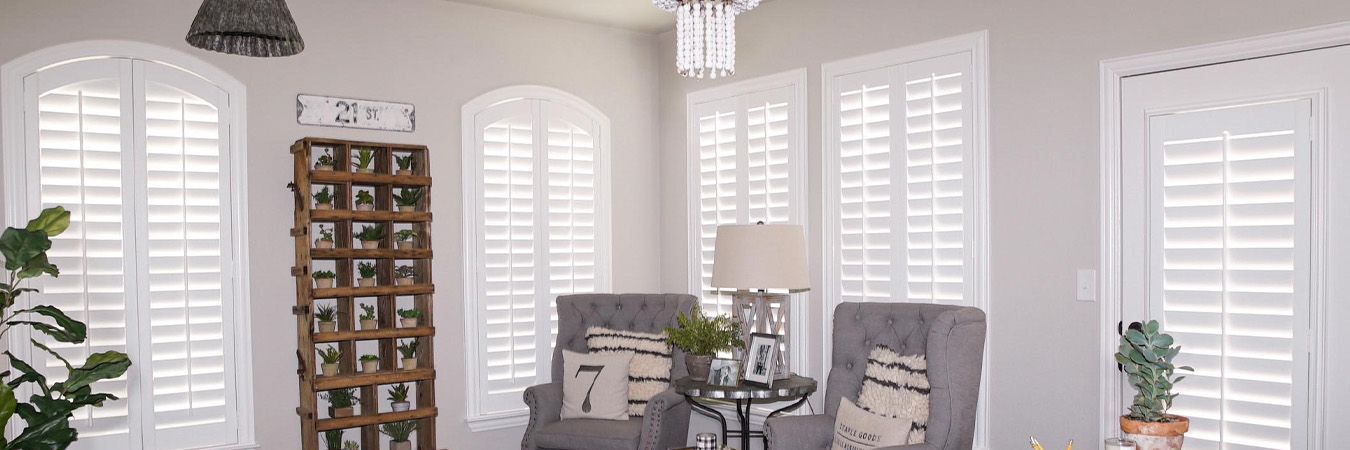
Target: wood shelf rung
322 383
368 179
374 419
334 215
374 291
373 253
382 333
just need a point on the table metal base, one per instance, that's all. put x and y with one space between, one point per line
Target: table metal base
742 416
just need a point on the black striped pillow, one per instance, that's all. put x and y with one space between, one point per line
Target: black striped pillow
897 386
649 370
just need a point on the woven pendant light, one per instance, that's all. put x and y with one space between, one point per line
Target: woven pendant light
261 28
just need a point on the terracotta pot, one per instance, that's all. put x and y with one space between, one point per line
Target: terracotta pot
400 445
370 366
323 283
698 365
400 406
409 363
369 324
404 245
328 167
365 207
406 208
323 206
402 172
340 412
328 370
1156 435
407 322
406 281
370 244
323 244
365 282
327 327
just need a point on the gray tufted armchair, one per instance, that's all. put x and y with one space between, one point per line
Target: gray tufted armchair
664 425
951 337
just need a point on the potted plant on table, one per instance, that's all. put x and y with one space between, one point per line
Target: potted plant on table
325 161
409 351
323 200
367 271
408 317
323 279
364 201
351 445
368 317
364 157
702 337
370 363
327 316
398 398
325 239
404 239
406 199
330 356
1146 354
398 433
403 275
332 440
340 402
370 236
405 165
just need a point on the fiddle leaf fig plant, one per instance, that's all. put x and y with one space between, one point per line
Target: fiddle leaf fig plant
700 335
1146 357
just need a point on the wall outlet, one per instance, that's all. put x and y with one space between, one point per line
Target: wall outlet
1087 285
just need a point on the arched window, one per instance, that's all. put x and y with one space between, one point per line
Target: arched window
537 225
145 147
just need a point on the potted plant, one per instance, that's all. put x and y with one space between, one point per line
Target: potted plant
398 398
340 402
702 337
409 351
325 239
398 433
405 165
408 317
364 157
332 440
368 317
351 445
370 363
327 315
367 271
370 236
403 275
404 239
323 200
406 199
330 356
364 201
323 279
1146 354
325 161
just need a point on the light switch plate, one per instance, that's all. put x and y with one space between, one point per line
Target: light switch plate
1087 285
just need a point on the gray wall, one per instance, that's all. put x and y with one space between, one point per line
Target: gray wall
1043 67
435 54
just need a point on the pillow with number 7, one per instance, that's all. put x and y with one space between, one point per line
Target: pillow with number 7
595 386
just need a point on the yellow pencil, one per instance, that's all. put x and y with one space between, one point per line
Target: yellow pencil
1070 447
1036 445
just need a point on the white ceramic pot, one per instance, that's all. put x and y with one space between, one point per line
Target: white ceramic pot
409 363
323 283
365 207
328 167
328 370
327 327
407 208
407 322
406 281
400 445
370 244
323 206
369 324
400 406
370 366
365 170
365 282
402 172
323 244
405 245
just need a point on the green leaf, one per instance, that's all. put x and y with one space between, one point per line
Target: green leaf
29 374
37 266
20 246
1152 327
1187 368
56 333
99 366
1163 340
71 328
52 352
52 221
1136 338
7 405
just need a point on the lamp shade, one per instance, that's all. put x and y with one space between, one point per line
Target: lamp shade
262 28
749 257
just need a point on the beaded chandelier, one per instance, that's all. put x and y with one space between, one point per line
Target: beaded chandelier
705 32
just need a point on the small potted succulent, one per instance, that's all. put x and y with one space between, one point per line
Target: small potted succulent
370 363
409 351
405 165
330 356
332 440
364 201
408 317
1146 354
325 161
370 236
323 200
367 271
404 239
327 316
398 398
364 157
702 337
403 275
341 402
368 317
398 433
351 445
323 279
406 199
325 239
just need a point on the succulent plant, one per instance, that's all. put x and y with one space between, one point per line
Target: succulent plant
398 393
330 355
404 271
404 162
325 233
408 349
399 431
324 196
332 440
407 197
404 235
322 274
326 159
369 357
341 398
364 156
366 269
371 233
363 197
410 313
367 312
325 313
1146 354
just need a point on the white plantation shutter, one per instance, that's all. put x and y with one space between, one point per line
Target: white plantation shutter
1230 206
139 153
542 231
718 191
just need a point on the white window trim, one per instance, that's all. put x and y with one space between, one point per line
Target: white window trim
1113 73
977 44
16 201
476 419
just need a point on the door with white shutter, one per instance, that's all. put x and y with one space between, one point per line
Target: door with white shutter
1233 228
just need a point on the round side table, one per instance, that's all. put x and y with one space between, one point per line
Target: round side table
796 388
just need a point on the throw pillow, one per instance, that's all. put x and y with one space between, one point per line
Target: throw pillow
595 386
648 372
857 429
897 386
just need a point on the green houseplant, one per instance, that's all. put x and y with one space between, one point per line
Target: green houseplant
408 317
367 271
341 402
330 356
47 412
409 351
406 198
325 161
702 337
363 158
323 200
398 398
351 445
405 164
1146 354
403 275
368 317
364 201
370 236
327 316
404 238
323 279
398 433
332 440
370 363
325 239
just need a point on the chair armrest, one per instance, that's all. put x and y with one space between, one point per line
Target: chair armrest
665 422
545 403
923 446
800 432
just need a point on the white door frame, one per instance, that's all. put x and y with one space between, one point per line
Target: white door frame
1113 72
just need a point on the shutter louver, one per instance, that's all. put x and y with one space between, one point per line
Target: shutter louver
865 169
718 177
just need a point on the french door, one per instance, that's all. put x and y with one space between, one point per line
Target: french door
1234 231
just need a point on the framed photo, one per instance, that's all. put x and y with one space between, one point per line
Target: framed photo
725 372
761 358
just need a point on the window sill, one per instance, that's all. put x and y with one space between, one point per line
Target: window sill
498 421
248 446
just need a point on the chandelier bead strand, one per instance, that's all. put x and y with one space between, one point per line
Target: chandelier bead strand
705 32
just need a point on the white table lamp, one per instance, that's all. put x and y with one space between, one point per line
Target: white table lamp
752 259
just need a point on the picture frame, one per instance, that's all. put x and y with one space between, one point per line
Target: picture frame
725 372
761 359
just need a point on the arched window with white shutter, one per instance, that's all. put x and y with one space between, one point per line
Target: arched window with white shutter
536 226
144 146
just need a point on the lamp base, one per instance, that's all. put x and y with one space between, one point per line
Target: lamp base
761 312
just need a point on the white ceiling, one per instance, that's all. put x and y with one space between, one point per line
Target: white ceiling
638 15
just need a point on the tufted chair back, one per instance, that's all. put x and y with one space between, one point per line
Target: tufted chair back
644 313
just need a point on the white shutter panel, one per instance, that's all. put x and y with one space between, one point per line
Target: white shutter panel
718 176
1230 253
573 217
935 146
865 172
